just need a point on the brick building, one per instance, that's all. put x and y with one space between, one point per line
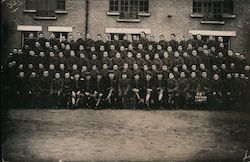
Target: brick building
227 18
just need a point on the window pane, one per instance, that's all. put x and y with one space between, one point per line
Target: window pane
60 5
31 4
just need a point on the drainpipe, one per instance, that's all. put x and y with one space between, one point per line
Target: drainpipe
87 17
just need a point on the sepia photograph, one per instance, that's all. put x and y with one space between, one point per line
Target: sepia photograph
125 80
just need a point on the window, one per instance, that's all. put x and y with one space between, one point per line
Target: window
60 5
25 35
45 5
129 6
114 5
197 6
228 6
213 9
30 4
144 6
59 35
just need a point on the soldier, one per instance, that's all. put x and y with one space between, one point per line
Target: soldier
135 41
139 60
193 82
88 43
150 51
72 42
105 71
152 42
195 59
136 70
163 42
76 87
123 52
66 90
143 40
52 40
94 61
116 42
177 60
185 69
99 89
117 72
44 89
41 39
157 61
81 50
107 42
148 61
33 90
72 59
205 86
123 89
173 43
160 89
52 70
99 42
216 91
227 91
172 90
130 60
141 50
125 42
159 50
87 90
21 90
148 87
136 87
83 61
112 89
183 89
79 40
56 90
117 60
167 60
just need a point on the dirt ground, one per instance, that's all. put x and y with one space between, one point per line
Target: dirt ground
126 135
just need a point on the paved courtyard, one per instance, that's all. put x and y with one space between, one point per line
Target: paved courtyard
126 135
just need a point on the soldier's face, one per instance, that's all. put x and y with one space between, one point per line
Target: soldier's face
57 75
99 77
67 75
137 77
124 76
46 74
111 75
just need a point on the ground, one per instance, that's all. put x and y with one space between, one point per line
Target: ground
126 135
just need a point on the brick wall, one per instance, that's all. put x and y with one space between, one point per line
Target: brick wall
158 21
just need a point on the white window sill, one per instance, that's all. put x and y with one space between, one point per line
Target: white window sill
34 11
117 14
44 18
144 14
229 16
129 20
29 11
113 13
213 22
60 12
196 15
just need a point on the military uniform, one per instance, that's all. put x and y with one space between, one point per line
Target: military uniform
56 90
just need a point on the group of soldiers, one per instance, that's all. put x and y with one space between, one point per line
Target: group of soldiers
141 73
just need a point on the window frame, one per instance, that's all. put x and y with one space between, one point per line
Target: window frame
34 9
118 5
209 7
